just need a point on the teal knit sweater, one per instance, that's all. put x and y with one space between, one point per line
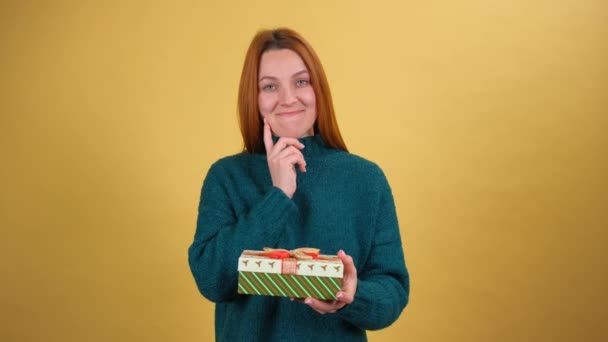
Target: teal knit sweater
341 202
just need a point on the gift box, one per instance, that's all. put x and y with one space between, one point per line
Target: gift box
299 273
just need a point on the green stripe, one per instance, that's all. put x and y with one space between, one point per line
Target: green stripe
319 287
276 286
314 287
288 288
331 294
335 283
242 289
246 278
288 285
262 283
295 280
293 292
255 289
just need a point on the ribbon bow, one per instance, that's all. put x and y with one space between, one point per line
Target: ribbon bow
303 253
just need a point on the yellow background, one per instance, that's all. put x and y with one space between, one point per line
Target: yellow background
488 117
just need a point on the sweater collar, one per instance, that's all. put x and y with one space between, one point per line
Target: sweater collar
314 146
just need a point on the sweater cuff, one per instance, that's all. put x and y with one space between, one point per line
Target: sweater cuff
354 311
360 312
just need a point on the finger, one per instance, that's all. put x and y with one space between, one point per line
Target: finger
294 159
345 297
283 143
349 287
302 165
349 264
291 151
268 138
323 307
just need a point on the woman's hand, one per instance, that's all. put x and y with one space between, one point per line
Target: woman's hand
282 158
345 296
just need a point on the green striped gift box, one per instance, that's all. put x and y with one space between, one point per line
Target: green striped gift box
319 278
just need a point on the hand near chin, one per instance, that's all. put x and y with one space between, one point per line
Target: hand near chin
344 296
282 159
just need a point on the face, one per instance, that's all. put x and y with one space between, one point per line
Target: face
285 96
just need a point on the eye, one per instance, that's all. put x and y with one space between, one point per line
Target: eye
269 87
302 83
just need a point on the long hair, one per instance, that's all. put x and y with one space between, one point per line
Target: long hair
250 121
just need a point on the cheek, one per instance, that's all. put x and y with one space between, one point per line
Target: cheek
308 97
265 104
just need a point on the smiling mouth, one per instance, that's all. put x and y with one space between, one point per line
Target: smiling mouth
291 113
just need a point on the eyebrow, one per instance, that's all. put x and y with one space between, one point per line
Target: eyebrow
274 78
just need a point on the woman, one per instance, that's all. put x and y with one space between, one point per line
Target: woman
294 185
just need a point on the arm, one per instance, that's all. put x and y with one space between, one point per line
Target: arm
383 282
374 299
221 235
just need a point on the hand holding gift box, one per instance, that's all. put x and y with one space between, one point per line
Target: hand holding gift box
300 273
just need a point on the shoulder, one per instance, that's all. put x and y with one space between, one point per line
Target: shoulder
235 163
356 162
359 168
231 160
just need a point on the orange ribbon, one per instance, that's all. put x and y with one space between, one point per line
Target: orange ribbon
289 259
303 253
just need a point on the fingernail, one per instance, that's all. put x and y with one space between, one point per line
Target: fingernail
308 301
291 299
339 295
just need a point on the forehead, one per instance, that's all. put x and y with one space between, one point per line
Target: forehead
282 62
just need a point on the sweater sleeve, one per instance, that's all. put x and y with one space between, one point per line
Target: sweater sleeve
383 282
221 235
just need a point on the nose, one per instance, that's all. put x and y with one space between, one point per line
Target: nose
288 96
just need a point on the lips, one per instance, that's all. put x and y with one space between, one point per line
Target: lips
291 113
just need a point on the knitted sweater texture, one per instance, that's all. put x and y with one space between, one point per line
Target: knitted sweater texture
342 201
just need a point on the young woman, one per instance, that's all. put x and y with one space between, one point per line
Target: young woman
296 185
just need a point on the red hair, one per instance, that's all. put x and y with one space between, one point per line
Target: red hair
250 121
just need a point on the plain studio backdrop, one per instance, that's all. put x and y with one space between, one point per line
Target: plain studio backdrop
489 118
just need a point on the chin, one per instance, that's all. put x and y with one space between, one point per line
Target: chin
297 134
